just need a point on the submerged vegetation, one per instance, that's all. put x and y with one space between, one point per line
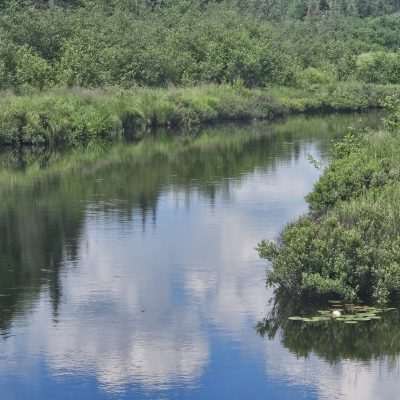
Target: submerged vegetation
349 243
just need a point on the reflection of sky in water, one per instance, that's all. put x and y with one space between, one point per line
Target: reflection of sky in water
169 311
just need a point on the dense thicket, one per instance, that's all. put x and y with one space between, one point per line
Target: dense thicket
349 244
266 8
185 42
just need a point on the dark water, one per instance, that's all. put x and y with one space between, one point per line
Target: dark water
131 272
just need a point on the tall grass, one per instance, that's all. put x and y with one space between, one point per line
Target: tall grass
79 116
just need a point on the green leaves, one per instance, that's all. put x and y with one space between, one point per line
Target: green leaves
350 314
349 244
378 67
180 42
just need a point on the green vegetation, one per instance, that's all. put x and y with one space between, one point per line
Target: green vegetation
349 244
332 340
344 313
76 70
125 43
77 116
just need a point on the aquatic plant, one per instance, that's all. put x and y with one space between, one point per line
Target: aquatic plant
346 313
363 333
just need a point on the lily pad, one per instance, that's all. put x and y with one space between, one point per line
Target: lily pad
295 318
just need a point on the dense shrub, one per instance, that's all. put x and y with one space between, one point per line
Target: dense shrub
185 42
31 69
315 76
378 67
352 251
349 245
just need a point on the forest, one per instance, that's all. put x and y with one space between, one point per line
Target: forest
259 43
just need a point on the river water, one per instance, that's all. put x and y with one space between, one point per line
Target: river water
132 273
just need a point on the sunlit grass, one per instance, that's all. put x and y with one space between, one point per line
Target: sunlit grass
79 116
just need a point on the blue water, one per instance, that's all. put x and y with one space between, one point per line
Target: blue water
143 282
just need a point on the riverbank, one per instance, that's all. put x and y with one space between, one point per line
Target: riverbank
26 166
348 246
77 116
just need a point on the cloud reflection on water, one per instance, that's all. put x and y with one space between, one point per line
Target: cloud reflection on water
144 305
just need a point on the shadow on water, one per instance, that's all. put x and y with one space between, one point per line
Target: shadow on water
45 196
331 340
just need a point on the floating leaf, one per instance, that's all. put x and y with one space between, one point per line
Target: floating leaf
295 318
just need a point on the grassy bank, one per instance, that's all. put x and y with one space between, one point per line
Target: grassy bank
349 243
20 167
79 116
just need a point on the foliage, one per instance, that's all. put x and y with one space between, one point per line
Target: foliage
332 341
185 42
80 116
314 76
378 67
349 243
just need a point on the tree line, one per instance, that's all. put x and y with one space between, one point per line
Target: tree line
184 42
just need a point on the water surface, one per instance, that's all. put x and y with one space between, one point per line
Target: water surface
131 272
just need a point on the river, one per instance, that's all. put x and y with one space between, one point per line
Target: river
136 276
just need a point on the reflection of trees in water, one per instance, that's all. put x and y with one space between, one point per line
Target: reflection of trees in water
40 222
19 158
332 341
33 237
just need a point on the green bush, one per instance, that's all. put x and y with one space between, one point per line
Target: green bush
315 76
187 43
360 164
352 251
349 244
378 67
31 69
